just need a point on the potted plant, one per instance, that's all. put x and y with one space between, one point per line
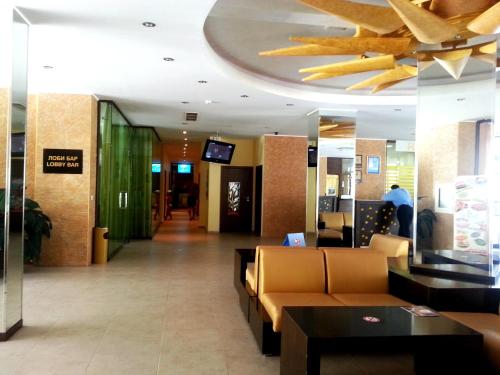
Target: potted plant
36 225
425 228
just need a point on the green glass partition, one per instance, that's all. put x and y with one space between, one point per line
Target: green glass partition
124 178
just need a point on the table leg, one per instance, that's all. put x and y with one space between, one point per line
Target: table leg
299 354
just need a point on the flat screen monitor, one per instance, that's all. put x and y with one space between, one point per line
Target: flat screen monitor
184 168
312 156
156 168
218 152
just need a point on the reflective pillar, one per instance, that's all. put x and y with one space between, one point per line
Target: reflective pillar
13 102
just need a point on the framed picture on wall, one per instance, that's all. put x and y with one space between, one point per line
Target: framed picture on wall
373 165
359 161
358 176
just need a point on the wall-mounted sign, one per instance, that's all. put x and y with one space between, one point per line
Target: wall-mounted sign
62 161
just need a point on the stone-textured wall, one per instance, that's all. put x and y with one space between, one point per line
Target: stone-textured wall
65 122
284 190
372 186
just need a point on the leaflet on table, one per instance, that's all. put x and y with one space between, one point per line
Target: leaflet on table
471 216
420 310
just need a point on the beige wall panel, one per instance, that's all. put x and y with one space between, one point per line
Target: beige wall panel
372 186
4 112
284 185
311 199
322 169
66 122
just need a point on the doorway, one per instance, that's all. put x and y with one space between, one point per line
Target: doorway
236 199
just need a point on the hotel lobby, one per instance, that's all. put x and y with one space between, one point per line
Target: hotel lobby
249 187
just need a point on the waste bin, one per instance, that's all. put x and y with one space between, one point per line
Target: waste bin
101 236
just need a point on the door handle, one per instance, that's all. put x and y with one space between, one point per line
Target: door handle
247 199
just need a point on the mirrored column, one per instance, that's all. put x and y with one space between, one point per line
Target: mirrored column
13 102
458 163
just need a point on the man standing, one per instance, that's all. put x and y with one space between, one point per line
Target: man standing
404 205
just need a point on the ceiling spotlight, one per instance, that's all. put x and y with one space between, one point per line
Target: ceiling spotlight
168 59
185 145
185 139
48 67
290 104
185 102
184 132
148 24
244 96
202 81
208 101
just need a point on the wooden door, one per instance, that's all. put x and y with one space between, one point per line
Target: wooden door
236 199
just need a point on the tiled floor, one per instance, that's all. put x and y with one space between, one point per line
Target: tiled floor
165 306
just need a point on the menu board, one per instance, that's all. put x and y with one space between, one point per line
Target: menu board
471 214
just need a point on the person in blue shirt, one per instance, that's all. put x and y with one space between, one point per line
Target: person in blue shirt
401 199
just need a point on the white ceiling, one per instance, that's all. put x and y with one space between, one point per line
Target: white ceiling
100 47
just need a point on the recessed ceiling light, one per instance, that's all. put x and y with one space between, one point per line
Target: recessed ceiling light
48 67
184 132
208 101
185 102
460 99
185 145
290 104
148 24
202 81
185 139
244 96
168 59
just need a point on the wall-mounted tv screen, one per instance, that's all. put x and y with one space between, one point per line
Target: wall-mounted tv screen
156 168
184 168
312 156
218 152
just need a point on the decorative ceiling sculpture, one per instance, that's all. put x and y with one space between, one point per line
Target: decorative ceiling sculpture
387 38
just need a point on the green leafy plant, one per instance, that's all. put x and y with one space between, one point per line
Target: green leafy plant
425 228
36 225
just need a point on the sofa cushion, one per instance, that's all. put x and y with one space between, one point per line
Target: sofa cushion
348 219
330 233
488 325
392 246
250 276
274 302
292 271
356 271
332 220
252 280
369 299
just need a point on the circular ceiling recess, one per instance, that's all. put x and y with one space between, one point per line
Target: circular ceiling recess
250 36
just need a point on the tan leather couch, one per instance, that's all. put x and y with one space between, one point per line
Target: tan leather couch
486 324
252 271
359 277
291 278
392 246
356 277
334 223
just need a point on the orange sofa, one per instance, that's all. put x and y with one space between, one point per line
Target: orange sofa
298 278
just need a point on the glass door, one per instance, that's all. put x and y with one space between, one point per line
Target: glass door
114 176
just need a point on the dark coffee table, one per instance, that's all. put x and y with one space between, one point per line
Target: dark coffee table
439 344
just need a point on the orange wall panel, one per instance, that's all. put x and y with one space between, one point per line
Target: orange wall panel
284 189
